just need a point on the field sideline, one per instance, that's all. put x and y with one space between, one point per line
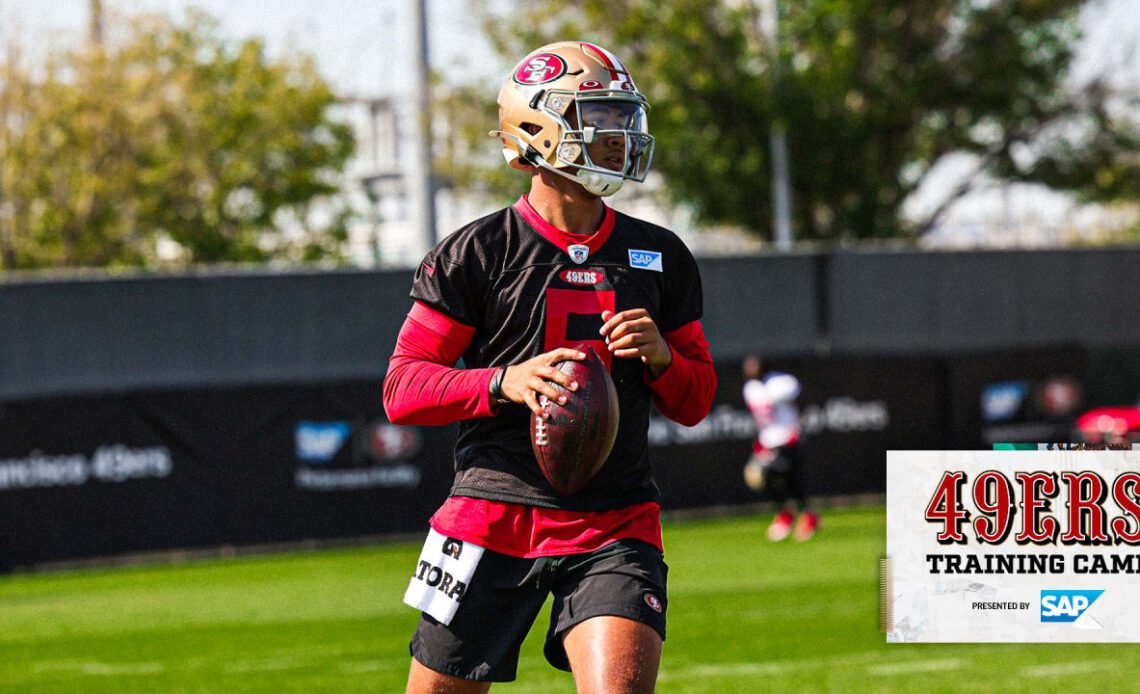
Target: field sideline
744 616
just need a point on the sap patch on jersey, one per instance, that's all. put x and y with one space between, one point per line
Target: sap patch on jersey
645 260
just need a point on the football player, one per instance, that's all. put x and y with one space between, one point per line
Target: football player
511 294
777 460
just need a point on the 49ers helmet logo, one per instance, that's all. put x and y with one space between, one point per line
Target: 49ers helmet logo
540 69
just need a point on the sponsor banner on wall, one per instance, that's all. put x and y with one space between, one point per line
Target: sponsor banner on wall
140 471
115 474
1012 546
110 463
1022 396
852 411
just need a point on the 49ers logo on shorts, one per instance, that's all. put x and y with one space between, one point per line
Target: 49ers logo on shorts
583 277
653 602
540 69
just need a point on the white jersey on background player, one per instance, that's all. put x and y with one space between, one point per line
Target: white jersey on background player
777 461
772 402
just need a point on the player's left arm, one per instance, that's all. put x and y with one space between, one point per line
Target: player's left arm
678 364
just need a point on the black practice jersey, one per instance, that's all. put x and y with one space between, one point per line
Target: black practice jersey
515 281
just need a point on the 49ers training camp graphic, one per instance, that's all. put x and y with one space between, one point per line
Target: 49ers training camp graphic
1012 545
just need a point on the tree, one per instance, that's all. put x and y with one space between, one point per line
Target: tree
168 134
873 93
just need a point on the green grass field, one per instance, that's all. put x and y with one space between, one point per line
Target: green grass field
744 616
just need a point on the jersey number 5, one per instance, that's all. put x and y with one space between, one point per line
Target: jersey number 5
569 309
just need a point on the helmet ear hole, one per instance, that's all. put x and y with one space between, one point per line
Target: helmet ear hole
531 128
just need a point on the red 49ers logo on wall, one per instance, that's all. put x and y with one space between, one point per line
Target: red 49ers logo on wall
540 69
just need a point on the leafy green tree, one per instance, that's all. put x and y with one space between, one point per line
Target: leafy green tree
872 94
169 135
470 112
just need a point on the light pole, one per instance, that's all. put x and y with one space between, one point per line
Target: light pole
422 181
769 19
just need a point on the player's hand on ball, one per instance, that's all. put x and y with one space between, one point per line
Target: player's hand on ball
523 383
633 334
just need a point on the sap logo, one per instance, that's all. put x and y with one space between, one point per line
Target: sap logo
1000 401
645 260
1066 605
319 442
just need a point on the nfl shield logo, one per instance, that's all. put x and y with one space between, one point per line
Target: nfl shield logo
578 253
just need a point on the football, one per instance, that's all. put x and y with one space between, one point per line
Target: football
575 441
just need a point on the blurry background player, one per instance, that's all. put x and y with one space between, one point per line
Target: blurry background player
513 293
776 463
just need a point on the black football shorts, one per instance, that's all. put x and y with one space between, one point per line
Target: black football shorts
626 578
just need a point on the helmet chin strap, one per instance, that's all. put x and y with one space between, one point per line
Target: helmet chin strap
595 182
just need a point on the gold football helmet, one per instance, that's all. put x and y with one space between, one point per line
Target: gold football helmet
565 97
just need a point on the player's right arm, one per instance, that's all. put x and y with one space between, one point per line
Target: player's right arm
423 387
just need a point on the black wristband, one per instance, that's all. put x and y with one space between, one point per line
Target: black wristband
497 387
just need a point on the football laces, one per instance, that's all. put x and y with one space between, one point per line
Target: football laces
540 426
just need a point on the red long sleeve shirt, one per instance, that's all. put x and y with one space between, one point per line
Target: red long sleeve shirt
423 387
